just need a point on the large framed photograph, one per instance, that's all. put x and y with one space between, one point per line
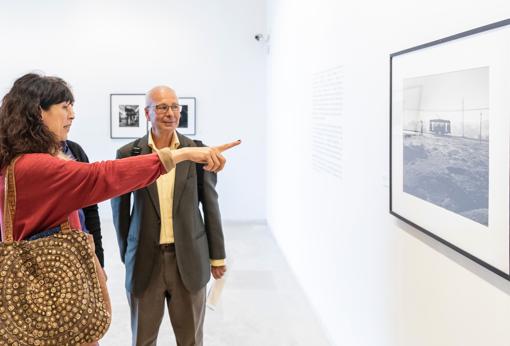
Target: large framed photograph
127 116
188 121
450 142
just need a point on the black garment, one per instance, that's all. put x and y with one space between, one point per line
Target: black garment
92 221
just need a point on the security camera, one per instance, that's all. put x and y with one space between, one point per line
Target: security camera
259 37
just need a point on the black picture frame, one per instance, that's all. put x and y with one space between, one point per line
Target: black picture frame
427 126
127 116
188 121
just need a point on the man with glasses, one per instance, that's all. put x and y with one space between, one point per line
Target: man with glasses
168 248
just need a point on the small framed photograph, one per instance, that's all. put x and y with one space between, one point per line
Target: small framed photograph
450 142
127 116
187 124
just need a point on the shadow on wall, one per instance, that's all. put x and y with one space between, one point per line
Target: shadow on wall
475 268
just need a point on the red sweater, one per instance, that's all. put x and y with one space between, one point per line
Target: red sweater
49 190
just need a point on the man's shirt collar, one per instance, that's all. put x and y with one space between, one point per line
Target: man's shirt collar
173 145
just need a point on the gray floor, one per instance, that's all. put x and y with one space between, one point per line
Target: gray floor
261 303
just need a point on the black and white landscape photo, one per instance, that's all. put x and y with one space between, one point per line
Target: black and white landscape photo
129 115
446 141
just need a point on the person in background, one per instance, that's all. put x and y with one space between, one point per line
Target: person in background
89 216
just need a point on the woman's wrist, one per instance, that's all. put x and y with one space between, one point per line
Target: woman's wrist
180 155
168 158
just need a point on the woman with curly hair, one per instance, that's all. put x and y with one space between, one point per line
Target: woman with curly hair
35 117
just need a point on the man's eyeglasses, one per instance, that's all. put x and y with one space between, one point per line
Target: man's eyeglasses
163 108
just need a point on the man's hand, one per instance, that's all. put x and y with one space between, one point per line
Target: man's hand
218 272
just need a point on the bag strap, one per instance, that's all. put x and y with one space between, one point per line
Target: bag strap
136 150
10 205
9 202
200 173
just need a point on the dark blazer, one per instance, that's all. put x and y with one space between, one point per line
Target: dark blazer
92 221
196 241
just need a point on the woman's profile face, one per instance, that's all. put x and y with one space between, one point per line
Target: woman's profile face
58 118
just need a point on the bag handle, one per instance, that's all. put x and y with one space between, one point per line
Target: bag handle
10 205
9 202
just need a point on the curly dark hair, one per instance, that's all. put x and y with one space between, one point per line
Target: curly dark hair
22 130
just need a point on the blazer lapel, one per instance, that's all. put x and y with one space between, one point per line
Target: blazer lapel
181 174
152 189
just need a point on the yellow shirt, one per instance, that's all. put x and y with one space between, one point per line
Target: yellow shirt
166 184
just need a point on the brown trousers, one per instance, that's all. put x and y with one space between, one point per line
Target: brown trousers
186 309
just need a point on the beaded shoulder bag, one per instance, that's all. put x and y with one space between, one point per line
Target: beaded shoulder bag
53 289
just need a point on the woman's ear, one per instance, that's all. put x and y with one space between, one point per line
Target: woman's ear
43 113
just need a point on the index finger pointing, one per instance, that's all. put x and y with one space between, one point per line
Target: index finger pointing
223 147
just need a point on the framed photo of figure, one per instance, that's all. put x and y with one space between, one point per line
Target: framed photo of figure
188 121
127 116
450 142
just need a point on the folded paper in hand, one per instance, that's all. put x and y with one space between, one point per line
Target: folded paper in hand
214 294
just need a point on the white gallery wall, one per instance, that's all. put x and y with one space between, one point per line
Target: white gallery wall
372 279
203 49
